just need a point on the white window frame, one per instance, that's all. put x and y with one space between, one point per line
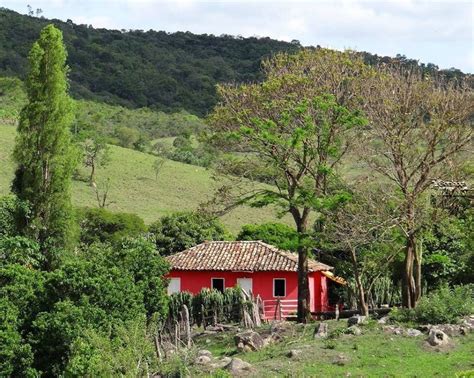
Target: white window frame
218 278
246 278
177 279
279 296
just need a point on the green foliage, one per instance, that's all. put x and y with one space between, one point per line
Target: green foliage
139 257
12 213
101 225
176 302
277 234
55 331
444 305
447 251
16 357
12 98
179 231
20 250
98 293
120 67
23 287
43 151
128 352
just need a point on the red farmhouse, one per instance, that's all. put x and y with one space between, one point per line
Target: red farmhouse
256 266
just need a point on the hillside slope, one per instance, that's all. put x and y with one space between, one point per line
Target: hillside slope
134 189
166 71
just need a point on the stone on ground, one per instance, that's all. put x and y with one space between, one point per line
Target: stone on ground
413 332
354 330
437 337
238 367
294 353
202 360
356 319
321 331
204 352
248 341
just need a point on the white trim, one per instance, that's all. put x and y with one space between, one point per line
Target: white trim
246 278
273 288
218 278
176 279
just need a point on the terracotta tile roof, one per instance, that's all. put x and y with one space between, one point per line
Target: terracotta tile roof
248 256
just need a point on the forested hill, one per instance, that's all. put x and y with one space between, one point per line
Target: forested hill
166 71
135 68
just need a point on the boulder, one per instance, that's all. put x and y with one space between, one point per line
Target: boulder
413 332
468 322
383 320
393 330
321 331
354 330
204 352
202 360
356 319
294 353
248 341
238 367
437 337
222 363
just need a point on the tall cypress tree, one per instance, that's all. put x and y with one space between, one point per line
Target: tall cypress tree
44 153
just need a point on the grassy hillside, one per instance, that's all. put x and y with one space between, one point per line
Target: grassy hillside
133 187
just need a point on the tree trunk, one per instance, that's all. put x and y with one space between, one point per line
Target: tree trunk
362 304
304 312
409 286
418 256
92 176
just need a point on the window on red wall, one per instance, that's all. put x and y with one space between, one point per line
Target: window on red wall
218 284
279 287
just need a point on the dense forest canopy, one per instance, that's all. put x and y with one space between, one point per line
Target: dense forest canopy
166 71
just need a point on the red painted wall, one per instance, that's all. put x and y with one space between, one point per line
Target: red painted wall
194 281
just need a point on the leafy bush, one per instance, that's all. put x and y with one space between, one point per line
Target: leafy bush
129 352
176 302
12 210
20 250
277 234
101 225
444 305
179 231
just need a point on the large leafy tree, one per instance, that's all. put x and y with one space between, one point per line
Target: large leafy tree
176 232
297 122
43 151
418 126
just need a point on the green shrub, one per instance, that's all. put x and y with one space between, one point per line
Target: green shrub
12 211
179 231
100 225
277 234
176 302
444 305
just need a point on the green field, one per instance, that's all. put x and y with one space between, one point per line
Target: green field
134 189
